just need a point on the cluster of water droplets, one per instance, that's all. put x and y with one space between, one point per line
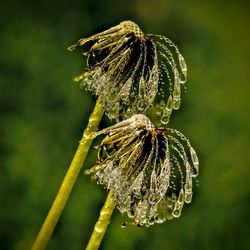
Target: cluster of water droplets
186 155
172 75
149 171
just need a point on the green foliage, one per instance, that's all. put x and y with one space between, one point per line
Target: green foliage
43 115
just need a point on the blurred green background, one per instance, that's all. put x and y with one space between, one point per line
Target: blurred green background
43 114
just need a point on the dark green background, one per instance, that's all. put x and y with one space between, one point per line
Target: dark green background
43 114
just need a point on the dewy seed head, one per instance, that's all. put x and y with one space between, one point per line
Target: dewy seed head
149 170
133 72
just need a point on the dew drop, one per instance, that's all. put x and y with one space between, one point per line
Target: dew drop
87 172
179 204
167 111
176 96
194 172
177 211
160 220
169 208
188 196
176 103
195 160
124 224
183 66
78 78
169 215
99 228
165 119
104 212
181 196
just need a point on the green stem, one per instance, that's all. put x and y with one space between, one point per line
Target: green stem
102 223
69 180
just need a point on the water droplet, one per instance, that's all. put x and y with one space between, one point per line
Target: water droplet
188 196
124 224
183 66
169 105
78 78
165 119
167 111
179 204
181 196
194 172
87 172
104 212
99 228
169 215
176 103
169 208
160 220
195 160
177 211
177 96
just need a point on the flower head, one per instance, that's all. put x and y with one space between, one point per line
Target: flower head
150 171
130 70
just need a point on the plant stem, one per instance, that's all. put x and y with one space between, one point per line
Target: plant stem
102 223
69 180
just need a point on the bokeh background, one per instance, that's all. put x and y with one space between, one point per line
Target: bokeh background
43 114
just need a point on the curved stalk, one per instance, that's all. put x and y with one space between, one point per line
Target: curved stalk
69 180
102 223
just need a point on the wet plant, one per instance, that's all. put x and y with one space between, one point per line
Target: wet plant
132 71
148 168
149 172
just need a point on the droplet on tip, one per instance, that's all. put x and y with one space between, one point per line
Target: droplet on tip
181 196
124 224
99 229
188 197
179 204
177 96
195 161
87 172
167 111
183 66
176 103
165 119
177 212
